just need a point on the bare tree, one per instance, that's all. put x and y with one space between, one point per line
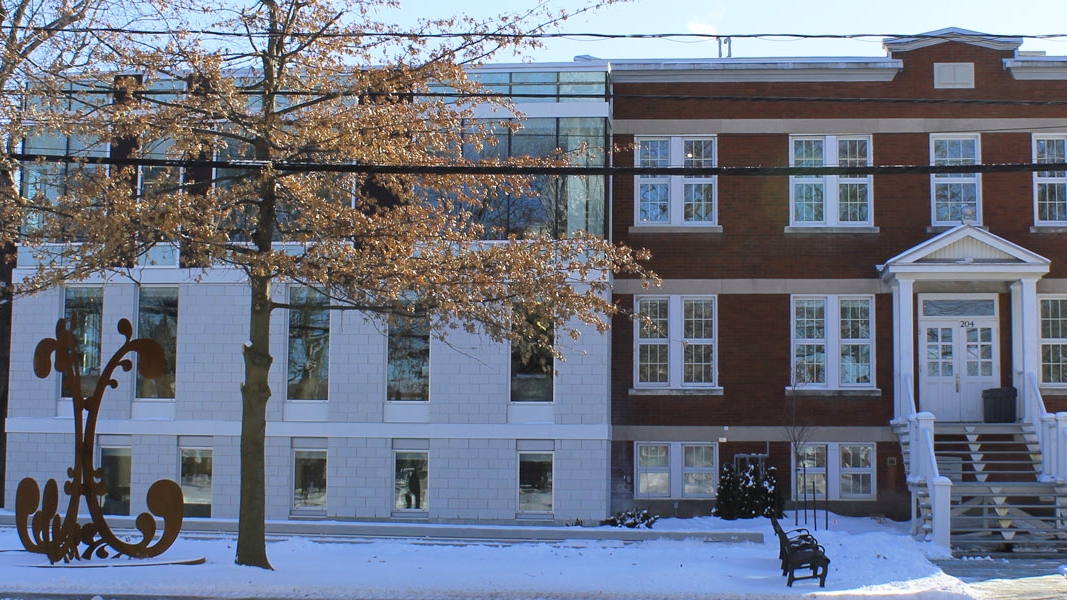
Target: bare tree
320 82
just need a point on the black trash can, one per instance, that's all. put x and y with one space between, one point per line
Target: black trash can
999 405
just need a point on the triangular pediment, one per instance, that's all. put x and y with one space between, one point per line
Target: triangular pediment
951 34
967 249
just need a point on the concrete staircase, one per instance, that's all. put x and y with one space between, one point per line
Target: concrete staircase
999 501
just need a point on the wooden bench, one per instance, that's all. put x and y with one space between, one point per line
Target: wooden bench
798 549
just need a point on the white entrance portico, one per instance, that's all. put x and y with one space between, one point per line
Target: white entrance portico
946 309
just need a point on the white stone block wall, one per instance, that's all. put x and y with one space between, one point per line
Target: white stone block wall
471 443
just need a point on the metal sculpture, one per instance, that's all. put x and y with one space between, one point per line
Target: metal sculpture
39 525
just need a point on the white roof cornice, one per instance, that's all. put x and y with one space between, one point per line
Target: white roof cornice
1037 67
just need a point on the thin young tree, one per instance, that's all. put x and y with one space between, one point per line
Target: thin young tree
336 121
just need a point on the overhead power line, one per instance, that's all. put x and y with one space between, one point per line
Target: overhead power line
316 167
552 35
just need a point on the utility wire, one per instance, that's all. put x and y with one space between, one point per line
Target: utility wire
317 167
402 96
553 35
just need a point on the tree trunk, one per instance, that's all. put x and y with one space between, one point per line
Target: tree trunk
251 529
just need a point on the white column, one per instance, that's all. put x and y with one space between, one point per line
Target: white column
1031 362
1024 323
903 346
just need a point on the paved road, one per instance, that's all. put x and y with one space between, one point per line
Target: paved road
1011 578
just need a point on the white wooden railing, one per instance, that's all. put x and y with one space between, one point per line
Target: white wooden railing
1051 430
923 464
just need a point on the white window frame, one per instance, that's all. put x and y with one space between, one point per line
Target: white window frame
518 483
675 470
676 342
1044 341
1049 178
834 470
676 184
940 179
832 342
198 448
309 510
831 184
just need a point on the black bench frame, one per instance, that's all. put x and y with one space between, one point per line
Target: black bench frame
798 549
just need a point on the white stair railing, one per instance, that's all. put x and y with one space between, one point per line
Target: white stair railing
923 463
1051 431
938 486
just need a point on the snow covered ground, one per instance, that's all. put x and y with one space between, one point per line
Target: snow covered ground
867 559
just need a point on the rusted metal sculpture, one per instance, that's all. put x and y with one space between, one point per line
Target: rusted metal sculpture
39 525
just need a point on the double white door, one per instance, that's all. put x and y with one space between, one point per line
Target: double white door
958 359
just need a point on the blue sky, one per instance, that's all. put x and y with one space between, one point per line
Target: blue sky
725 17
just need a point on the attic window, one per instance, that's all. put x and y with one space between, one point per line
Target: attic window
954 76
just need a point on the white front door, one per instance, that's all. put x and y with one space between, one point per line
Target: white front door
958 359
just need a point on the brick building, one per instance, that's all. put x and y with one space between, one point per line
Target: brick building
809 318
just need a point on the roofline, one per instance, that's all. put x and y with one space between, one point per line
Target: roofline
756 69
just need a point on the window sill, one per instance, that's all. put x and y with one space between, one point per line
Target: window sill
823 229
1048 229
413 515
1049 390
676 229
310 515
535 516
836 392
708 391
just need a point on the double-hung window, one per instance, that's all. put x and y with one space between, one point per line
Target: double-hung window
681 200
1050 187
675 470
833 341
956 197
830 200
1054 341
834 471
675 342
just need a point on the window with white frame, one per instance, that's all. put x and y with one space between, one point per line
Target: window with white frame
833 341
834 471
84 307
675 342
195 479
664 199
675 470
116 466
1050 187
1054 341
309 480
157 319
955 197
308 365
535 482
830 200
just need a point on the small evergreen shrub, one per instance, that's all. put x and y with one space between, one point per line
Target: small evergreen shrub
747 494
633 518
